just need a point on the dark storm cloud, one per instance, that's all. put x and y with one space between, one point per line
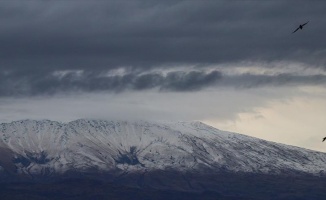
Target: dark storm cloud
44 83
51 35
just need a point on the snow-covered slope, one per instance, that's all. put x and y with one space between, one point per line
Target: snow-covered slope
48 147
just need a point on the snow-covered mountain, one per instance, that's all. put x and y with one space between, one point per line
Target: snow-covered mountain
46 147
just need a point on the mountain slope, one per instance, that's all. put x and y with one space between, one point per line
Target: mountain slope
48 148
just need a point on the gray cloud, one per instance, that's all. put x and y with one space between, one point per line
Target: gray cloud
39 38
194 80
109 34
43 83
285 79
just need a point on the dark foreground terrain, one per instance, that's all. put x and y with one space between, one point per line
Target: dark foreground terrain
223 186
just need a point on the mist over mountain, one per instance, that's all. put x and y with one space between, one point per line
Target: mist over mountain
154 157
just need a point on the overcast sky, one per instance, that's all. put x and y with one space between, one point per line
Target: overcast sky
233 64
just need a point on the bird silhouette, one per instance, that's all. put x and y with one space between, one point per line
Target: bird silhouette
324 139
300 27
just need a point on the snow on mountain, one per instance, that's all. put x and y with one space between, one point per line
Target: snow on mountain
49 147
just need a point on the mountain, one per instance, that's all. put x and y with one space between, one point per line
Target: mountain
173 156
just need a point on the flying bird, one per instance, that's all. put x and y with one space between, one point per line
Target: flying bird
324 139
300 27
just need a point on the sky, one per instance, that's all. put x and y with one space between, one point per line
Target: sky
235 65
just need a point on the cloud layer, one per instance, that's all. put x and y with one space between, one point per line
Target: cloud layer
34 83
50 47
104 35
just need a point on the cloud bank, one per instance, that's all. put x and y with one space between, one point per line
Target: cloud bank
34 83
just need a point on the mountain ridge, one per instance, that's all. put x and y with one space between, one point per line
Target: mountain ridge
48 147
